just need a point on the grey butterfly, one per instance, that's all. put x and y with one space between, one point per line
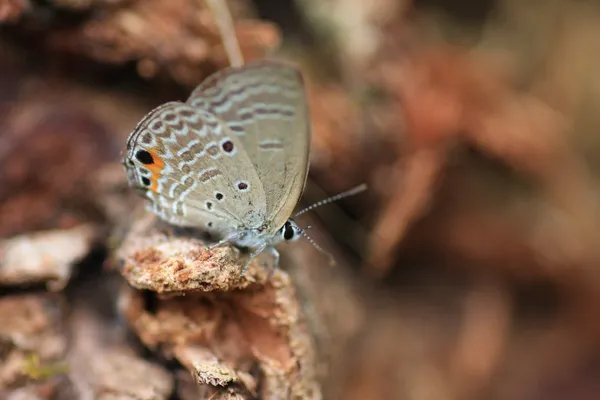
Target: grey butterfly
232 160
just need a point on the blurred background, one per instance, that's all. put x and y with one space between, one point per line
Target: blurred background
470 269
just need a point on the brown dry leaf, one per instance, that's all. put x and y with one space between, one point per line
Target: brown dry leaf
104 366
207 369
482 340
451 96
354 26
31 326
337 151
428 87
178 37
239 323
531 137
47 390
221 338
80 5
44 257
189 389
50 146
117 375
11 10
154 260
393 357
407 202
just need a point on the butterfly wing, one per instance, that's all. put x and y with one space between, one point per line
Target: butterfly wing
264 104
194 171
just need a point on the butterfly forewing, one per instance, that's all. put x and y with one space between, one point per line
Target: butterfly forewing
264 105
194 170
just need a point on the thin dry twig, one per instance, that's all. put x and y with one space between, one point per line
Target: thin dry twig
224 21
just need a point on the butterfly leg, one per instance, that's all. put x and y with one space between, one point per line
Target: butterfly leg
275 254
229 238
252 256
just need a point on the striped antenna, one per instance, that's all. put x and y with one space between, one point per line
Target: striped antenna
332 261
358 189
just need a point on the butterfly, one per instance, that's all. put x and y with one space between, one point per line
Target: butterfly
232 160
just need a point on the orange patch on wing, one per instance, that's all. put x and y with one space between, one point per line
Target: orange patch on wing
156 168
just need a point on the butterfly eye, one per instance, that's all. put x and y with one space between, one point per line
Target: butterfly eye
288 231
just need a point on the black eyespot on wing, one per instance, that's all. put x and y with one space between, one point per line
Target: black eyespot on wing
145 181
219 196
227 146
288 231
144 157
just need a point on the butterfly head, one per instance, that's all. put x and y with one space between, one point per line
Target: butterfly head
289 232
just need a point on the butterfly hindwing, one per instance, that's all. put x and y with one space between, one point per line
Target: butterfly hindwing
264 105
